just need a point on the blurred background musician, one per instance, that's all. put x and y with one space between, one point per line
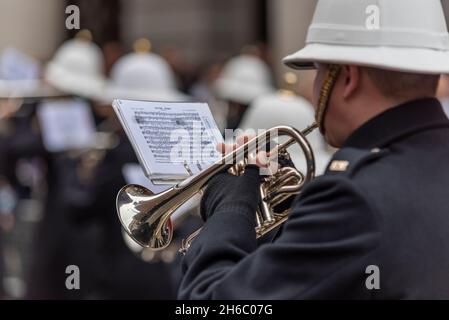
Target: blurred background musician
285 107
242 79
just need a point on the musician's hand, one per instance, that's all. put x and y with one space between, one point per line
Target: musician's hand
226 192
270 163
264 160
261 159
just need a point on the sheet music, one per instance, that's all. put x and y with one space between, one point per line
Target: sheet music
171 140
66 125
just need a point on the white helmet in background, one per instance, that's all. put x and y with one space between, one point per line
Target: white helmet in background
77 68
400 35
20 76
243 79
277 109
143 75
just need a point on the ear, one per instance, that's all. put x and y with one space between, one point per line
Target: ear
351 78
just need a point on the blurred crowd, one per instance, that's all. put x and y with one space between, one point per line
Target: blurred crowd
64 156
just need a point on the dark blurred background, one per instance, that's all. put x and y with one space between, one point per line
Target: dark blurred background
204 30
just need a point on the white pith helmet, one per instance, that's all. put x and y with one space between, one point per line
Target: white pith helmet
400 35
143 75
243 79
286 108
77 67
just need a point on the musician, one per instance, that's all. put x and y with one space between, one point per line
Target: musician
375 225
242 80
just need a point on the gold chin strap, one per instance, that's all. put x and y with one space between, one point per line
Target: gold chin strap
325 95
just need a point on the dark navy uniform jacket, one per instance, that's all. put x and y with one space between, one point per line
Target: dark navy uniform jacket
383 202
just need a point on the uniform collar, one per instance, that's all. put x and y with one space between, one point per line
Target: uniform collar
397 122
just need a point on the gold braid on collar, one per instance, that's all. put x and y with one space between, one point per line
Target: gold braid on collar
325 94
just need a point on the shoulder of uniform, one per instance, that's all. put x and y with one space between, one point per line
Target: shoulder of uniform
347 161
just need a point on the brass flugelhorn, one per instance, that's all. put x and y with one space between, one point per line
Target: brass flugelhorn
146 216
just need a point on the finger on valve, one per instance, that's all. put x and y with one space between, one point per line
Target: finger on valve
261 159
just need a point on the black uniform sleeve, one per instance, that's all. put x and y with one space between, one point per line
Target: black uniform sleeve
322 253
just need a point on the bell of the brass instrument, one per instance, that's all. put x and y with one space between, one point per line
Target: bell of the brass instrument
146 217
136 206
